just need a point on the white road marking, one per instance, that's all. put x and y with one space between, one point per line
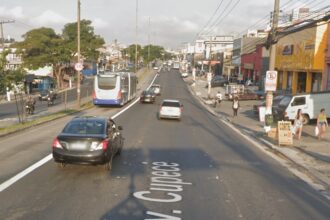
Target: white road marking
25 172
44 160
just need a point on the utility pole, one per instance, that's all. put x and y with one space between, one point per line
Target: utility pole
149 45
1 29
272 53
210 55
78 55
136 35
273 34
209 74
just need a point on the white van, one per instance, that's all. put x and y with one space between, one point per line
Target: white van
310 105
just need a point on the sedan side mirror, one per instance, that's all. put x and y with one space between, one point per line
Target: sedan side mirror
120 128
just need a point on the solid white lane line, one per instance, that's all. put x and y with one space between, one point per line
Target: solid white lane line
25 172
41 162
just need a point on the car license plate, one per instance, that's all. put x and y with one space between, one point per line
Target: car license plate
78 146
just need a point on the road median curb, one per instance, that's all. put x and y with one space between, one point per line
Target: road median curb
31 124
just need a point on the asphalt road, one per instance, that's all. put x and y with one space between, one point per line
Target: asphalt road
193 169
13 108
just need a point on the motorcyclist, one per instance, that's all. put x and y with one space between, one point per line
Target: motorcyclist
30 103
51 98
219 97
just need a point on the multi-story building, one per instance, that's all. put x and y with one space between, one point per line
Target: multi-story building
254 56
302 60
236 59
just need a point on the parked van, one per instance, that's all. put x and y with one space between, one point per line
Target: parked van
310 105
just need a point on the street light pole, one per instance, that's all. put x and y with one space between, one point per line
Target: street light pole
78 55
136 35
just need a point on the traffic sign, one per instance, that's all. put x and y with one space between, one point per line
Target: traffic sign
271 81
78 66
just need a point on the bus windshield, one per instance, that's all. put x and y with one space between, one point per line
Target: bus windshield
106 83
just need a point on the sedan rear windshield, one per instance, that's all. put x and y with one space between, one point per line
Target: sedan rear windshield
171 104
106 83
84 127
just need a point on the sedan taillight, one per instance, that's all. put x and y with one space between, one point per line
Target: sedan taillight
105 144
56 144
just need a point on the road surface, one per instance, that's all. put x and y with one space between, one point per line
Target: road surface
194 169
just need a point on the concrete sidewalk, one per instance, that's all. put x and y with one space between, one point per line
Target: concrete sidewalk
308 152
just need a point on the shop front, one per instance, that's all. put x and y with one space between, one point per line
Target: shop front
253 66
300 58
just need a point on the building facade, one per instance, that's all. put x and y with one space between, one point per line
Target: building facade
301 58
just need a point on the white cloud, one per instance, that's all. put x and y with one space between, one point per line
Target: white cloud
16 12
99 23
49 18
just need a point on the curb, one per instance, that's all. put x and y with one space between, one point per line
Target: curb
313 174
143 76
43 122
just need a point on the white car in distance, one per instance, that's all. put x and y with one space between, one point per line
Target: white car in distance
184 75
155 88
170 109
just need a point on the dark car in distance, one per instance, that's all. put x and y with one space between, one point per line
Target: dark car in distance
218 80
148 96
45 94
88 140
246 95
276 100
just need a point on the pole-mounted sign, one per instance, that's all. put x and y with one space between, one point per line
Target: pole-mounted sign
271 81
78 66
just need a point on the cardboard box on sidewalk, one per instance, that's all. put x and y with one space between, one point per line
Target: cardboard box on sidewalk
273 133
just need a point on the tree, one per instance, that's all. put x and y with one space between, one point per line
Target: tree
88 40
130 52
156 52
43 46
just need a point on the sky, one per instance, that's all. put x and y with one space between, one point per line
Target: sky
172 22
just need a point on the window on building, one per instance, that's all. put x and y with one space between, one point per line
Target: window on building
289 81
301 85
316 82
280 80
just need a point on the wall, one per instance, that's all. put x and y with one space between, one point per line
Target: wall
302 52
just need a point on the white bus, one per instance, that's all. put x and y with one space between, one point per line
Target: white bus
112 88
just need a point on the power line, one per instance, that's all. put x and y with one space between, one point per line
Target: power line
232 8
219 16
210 19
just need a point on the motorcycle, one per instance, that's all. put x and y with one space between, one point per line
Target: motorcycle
217 100
50 100
29 109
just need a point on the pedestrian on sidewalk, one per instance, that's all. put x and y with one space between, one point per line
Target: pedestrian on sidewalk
218 97
322 123
235 106
298 124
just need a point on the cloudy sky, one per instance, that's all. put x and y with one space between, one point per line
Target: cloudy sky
173 22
